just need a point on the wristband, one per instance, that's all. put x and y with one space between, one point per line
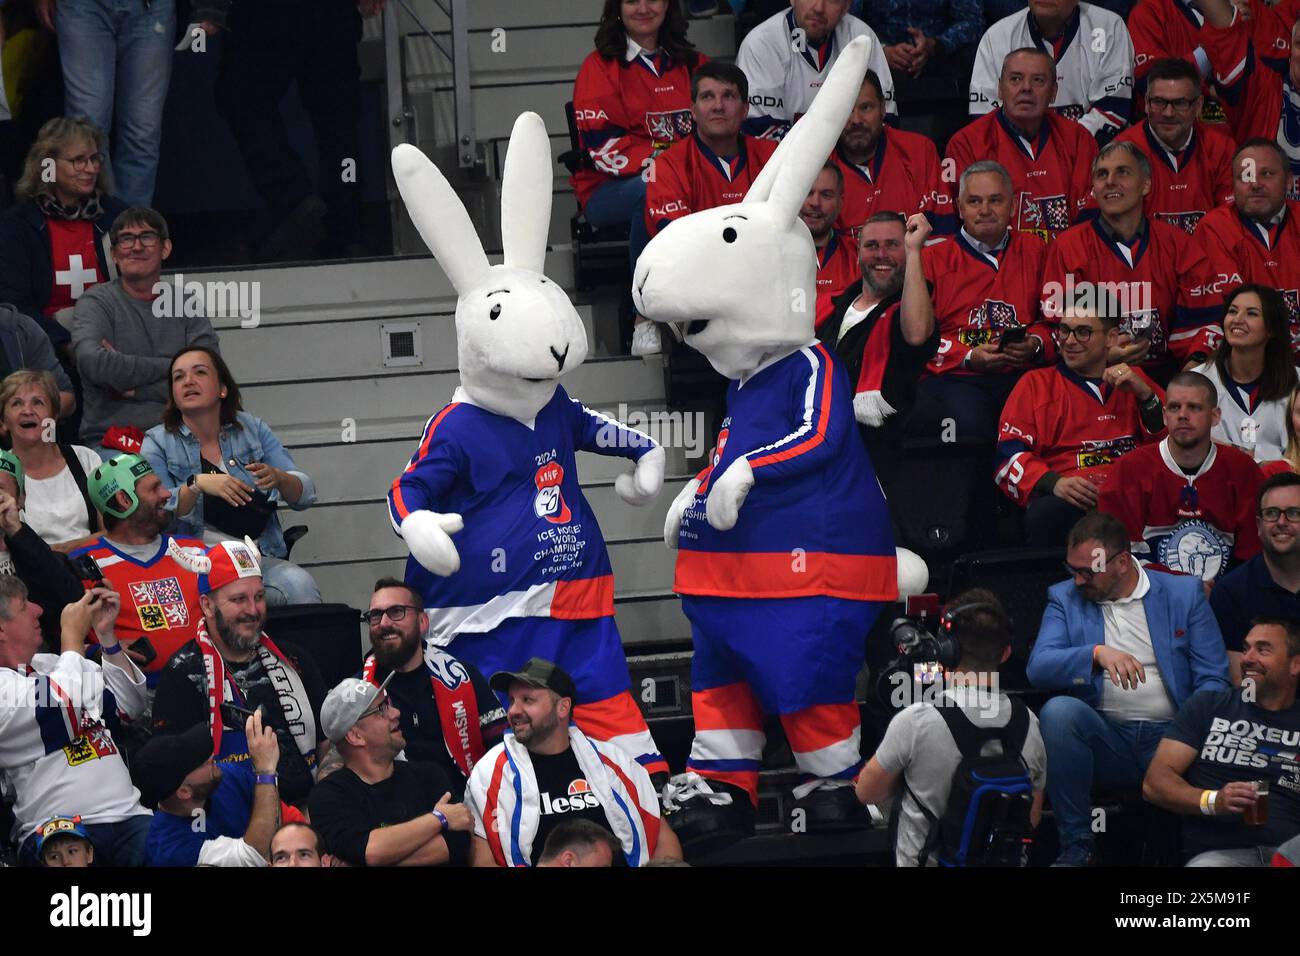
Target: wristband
442 819
115 649
272 778
1207 802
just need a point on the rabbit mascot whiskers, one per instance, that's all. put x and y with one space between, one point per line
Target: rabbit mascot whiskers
785 551
504 548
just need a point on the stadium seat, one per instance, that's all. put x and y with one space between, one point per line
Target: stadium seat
1020 578
599 255
329 633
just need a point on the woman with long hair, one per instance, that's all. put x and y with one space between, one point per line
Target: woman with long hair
57 506
1253 371
631 101
227 471
1290 460
53 242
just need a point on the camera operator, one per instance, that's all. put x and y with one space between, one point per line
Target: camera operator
921 753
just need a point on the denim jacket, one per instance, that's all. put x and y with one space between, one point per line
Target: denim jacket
175 456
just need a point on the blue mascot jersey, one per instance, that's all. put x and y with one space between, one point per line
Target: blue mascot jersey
531 546
815 522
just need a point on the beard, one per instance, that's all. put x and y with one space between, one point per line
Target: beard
233 638
394 655
883 287
537 729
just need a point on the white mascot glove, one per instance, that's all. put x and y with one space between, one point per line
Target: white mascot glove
428 536
728 494
673 523
641 485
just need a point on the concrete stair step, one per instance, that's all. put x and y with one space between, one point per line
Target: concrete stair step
406 395
344 347
347 471
356 529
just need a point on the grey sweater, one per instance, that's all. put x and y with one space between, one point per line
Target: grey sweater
144 345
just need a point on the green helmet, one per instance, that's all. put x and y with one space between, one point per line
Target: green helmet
10 464
119 473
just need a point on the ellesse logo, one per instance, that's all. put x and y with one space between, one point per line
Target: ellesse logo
581 797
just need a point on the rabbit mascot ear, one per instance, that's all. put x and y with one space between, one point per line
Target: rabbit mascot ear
742 279
516 331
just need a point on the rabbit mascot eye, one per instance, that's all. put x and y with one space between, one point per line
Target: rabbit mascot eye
505 550
785 551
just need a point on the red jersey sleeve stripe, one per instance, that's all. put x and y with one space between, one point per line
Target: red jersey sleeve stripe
819 382
399 506
490 826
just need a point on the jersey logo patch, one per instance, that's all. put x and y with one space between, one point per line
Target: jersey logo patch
1186 221
717 457
1097 452
1194 548
669 126
549 503
160 604
1043 215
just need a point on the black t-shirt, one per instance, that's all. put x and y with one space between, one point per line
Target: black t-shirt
344 808
564 795
1238 741
182 701
421 724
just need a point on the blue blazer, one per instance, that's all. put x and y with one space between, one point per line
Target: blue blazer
1189 648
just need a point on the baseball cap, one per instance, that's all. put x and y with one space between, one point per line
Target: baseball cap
539 673
60 827
10 464
229 561
161 765
345 704
119 473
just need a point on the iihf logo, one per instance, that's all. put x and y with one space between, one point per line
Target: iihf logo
717 457
549 503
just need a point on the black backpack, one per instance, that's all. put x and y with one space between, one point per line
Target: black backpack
986 822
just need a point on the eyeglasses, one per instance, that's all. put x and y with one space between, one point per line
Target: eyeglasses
81 162
1088 573
1273 514
126 240
395 613
383 708
1159 104
1062 332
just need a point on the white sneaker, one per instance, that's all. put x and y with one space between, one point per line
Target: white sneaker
645 338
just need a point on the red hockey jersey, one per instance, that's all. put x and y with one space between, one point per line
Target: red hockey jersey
1243 251
1187 184
980 294
1052 176
837 267
160 598
1170 29
626 111
1190 524
1164 280
690 177
1057 421
1250 68
904 176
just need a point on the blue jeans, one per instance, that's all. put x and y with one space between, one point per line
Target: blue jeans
116 844
117 62
1086 750
286 583
620 201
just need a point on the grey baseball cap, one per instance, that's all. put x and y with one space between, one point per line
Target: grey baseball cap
345 704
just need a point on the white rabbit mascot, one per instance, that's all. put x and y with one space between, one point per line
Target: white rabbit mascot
504 548
785 551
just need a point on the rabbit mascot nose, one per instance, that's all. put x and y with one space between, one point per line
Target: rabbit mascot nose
505 552
785 555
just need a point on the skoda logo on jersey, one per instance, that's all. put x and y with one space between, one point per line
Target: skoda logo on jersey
549 503
1194 548
580 797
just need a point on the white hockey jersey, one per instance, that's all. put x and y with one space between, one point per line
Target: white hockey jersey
1257 428
785 70
1094 66
56 749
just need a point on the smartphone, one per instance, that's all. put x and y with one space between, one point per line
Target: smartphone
85 568
146 650
1141 326
234 716
1013 335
